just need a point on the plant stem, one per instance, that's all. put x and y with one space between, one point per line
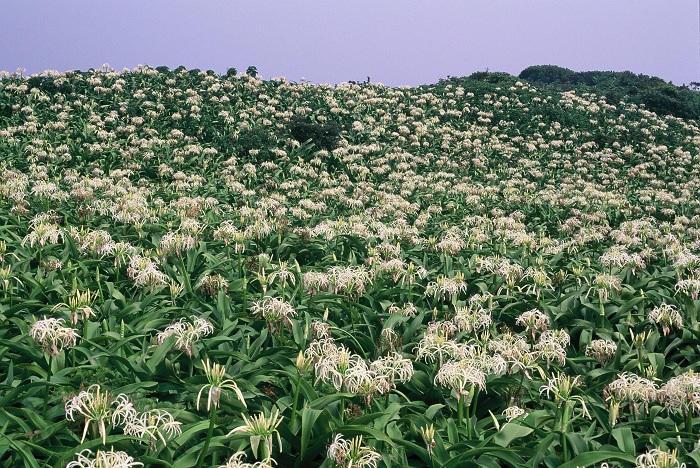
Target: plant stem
472 401
264 452
565 446
459 409
342 405
99 283
296 401
564 427
245 294
48 384
210 432
185 275
639 359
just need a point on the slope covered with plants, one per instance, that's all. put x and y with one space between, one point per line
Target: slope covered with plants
205 270
652 92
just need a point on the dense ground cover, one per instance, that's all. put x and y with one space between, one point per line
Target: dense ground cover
219 270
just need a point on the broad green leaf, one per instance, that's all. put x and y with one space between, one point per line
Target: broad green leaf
509 432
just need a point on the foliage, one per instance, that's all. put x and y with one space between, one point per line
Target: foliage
654 93
473 273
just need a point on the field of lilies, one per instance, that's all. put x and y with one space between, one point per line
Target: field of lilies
219 270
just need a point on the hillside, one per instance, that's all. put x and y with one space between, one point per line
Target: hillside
652 92
473 273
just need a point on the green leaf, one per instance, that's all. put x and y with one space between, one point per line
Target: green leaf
432 410
509 432
308 419
625 439
592 458
159 354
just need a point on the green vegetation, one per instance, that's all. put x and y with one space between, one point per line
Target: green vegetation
204 270
654 93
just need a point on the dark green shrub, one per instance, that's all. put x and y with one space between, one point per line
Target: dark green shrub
324 136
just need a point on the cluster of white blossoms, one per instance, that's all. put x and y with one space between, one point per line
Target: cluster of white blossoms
316 281
618 257
690 286
461 376
631 389
98 242
276 312
666 316
504 267
99 407
153 425
407 310
237 461
44 230
132 209
144 272
552 346
103 459
681 394
438 343
534 321
349 372
447 287
52 335
351 453
230 234
513 412
351 280
472 318
176 242
657 458
604 285
187 333
601 350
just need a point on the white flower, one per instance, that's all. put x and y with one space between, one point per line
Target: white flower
601 350
103 459
187 333
95 406
533 321
52 335
216 376
657 458
461 376
261 428
352 454
513 412
681 394
667 316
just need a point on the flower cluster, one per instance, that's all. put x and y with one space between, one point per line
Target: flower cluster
103 459
276 312
99 407
351 453
666 316
187 333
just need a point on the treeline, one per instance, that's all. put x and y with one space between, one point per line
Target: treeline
653 92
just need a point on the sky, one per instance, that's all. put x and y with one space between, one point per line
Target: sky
395 42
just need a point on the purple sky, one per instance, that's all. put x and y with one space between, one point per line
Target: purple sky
395 42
